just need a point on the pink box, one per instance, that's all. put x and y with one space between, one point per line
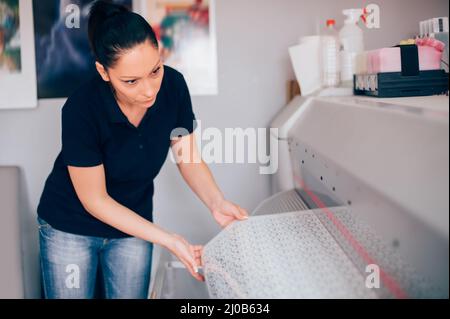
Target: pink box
389 60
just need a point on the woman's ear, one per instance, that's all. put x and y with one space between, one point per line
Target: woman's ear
101 70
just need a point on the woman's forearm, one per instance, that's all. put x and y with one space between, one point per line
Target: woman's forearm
201 181
122 218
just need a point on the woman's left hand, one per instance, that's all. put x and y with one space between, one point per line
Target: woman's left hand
225 212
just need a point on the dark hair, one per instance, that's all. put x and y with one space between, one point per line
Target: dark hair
112 28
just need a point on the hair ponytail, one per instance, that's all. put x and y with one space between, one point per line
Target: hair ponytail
112 28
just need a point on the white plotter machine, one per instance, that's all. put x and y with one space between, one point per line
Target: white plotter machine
360 208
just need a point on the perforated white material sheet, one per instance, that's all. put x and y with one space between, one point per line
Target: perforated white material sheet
304 254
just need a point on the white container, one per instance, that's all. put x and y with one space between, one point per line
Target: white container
352 43
306 60
330 56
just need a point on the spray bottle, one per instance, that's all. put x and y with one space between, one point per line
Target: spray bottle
352 43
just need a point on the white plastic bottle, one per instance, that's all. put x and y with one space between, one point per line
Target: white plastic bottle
330 56
352 43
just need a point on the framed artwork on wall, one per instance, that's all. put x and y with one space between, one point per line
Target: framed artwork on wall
17 60
63 55
187 38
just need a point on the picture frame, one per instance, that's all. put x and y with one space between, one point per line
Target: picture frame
186 30
18 88
64 59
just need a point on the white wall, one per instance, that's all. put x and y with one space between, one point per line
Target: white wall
253 37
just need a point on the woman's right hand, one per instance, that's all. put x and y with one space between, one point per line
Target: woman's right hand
189 255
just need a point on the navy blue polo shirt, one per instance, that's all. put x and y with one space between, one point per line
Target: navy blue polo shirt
95 131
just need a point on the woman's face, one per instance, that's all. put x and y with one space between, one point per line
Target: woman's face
137 76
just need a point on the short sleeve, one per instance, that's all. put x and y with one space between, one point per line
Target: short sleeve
80 146
186 121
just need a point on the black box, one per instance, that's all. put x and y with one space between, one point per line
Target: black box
396 84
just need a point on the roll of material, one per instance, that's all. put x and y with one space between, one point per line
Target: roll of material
306 254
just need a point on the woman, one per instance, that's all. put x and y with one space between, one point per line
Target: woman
96 207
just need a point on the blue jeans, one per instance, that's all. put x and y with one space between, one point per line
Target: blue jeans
69 265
